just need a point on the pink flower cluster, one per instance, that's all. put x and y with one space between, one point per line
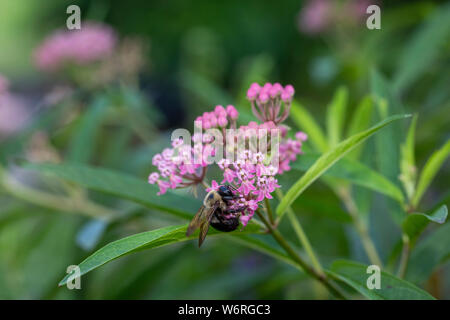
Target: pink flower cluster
267 101
219 118
174 172
316 16
249 174
289 149
91 43
252 179
320 15
176 165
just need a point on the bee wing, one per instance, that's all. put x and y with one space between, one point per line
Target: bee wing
203 215
196 221
204 227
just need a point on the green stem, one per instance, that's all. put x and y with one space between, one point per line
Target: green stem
56 202
335 290
269 211
360 226
302 236
404 257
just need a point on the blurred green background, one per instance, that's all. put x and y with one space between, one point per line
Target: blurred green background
198 54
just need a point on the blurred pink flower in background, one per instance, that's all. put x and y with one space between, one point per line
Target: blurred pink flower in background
93 42
319 16
316 16
13 112
358 8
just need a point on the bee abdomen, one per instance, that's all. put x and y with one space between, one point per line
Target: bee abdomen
223 224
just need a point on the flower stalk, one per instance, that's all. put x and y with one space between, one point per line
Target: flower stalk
298 229
360 226
269 212
404 257
335 290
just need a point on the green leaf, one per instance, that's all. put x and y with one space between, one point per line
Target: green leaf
327 160
116 249
258 244
424 48
392 288
336 116
306 122
83 141
149 240
415 223
407 161
123 186
360 121
429 171
387 142
354 172
409 144
428 254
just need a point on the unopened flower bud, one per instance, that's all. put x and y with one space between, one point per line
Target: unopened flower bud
232 112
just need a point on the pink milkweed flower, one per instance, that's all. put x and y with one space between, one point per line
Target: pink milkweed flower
222 121
228 175
271 103
153 178
246 187
93 42
174 180
163 186
214 186
232 112
245 219
301 136
220 111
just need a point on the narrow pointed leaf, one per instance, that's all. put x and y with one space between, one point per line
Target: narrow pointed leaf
327 160
360 121
153 239
336 116
429 171
415 223
304 120
84 140
123 186
391 288
407 161
356 173
428 254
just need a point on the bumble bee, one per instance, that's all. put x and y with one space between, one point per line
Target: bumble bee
214 212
